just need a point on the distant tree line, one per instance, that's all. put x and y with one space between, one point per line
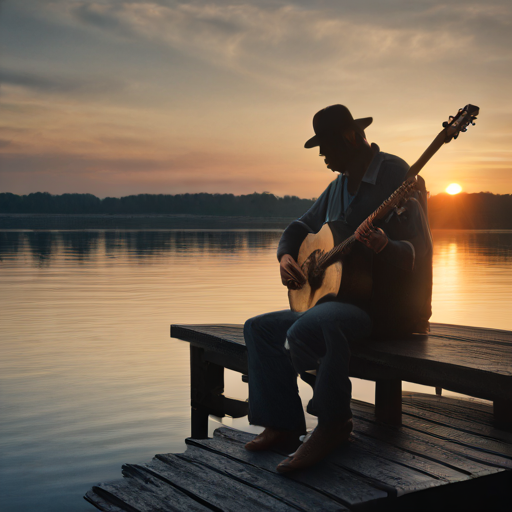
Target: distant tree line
471 211
251 205
462 211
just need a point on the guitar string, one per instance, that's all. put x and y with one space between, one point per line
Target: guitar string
393 200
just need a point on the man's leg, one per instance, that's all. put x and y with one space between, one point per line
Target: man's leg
273 393
319 340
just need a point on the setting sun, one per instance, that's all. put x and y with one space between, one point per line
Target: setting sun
453 189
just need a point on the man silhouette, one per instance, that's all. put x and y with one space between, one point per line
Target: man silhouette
284 344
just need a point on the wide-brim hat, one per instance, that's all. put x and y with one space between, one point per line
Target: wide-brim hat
332 122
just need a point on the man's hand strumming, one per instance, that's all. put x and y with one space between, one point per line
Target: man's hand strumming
291 274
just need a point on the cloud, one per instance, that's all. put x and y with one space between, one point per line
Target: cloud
277 41
310 47
38 82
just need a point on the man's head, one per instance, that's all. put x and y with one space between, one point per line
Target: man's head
339 136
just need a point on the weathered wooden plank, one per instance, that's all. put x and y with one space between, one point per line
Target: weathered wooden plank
286 490
210 486
479 410
328 479
479 419
233 333
444 437
477 352
382 472
162 491
483 334
132 496
100 503
435 364
456 429
415 461
422 446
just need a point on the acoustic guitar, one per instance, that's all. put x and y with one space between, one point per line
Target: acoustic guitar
322 261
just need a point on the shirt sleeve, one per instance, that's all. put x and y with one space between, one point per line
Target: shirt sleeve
409 237
311 222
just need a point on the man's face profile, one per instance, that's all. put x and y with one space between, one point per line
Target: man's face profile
337 154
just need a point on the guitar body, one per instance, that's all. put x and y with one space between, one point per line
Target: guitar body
316 287
347 280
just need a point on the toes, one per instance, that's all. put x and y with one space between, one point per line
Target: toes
285 466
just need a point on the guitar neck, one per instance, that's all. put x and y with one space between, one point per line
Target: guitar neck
452 128
434 147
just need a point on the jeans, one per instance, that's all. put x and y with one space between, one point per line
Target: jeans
318 339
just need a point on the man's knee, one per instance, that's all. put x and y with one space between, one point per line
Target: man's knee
305 351
260 330
253 326
306 337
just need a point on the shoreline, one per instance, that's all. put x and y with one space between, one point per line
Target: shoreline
57 221
146 221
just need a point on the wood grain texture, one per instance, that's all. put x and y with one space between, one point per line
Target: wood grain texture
286 490
210 486
447 433
134 496
100 503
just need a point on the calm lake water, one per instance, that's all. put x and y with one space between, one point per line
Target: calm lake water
89 378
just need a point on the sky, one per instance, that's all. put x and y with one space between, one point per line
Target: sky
118 97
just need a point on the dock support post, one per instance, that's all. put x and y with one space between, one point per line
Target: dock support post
388 401
206 384
199 423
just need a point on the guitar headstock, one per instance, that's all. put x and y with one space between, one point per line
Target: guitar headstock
460 122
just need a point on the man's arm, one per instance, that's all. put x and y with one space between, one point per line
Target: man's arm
402 239
310 222
292 238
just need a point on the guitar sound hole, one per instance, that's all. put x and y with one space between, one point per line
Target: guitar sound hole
314 274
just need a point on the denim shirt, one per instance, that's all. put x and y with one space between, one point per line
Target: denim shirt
405 264
383 176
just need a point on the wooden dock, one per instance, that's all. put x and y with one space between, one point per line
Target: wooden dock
448 455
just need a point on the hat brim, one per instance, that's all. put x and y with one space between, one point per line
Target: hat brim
362 123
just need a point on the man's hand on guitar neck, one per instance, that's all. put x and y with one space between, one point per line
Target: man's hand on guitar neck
291 274
372 237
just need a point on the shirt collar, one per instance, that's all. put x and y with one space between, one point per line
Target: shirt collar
370 176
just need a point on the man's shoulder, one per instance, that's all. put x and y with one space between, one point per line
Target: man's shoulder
392 169
394 163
